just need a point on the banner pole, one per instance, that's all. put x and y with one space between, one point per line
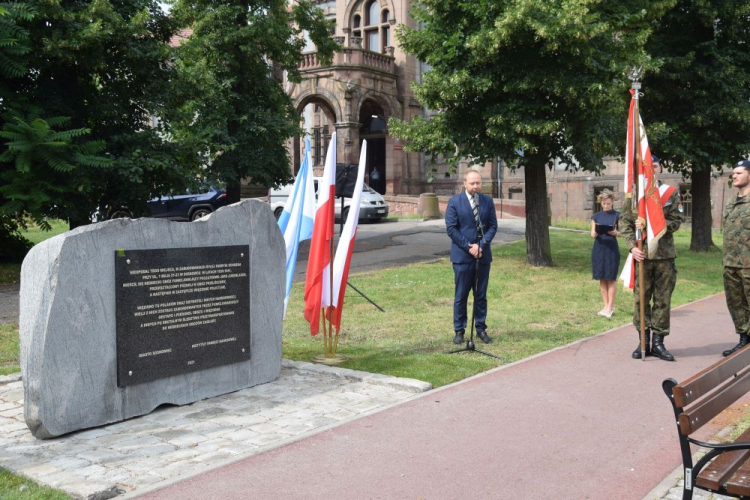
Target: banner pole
638 160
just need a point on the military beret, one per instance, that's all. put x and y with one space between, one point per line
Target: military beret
654 159
743 163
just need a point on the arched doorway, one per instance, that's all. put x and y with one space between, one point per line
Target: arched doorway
319 123
374 128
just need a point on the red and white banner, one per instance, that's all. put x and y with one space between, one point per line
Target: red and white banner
318 280
346 243
639 166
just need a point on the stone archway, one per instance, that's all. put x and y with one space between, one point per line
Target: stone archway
318 119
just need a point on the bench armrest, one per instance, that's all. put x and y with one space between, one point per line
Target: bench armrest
744 445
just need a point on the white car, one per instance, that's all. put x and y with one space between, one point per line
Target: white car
372 207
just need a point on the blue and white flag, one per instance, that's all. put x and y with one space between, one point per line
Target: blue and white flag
296 221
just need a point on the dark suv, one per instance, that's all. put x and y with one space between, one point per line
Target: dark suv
182 207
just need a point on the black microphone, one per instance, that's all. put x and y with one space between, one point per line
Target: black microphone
479 225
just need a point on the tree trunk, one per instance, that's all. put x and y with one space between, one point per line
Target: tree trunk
537 224
701 239
234 189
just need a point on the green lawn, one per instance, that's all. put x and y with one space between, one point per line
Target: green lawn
10 271
14 487
531 310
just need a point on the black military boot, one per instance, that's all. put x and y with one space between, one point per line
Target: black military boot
637 352
744 340
658 349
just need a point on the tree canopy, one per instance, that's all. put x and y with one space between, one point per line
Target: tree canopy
698 102
230 105
543 77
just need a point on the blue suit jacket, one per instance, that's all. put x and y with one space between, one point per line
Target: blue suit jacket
462 230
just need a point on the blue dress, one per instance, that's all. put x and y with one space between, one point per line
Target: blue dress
605 254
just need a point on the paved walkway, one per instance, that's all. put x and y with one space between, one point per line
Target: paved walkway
175 442
583 421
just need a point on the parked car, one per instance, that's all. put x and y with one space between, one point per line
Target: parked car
188 206
371 208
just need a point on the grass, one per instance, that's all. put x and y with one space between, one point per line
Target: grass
531 310
14 487
10 271
9 349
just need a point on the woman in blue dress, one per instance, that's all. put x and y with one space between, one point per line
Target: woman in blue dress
605 254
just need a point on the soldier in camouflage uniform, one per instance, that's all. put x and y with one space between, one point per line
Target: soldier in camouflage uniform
660 274
737 254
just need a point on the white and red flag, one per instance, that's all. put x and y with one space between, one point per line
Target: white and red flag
318 280
639 167
346 244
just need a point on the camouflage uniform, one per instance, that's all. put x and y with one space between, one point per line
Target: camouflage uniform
737 261
660 272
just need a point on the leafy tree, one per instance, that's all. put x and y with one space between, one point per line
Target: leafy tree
545 77
231 109
100 68
699 100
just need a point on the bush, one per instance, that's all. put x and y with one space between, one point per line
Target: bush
13 246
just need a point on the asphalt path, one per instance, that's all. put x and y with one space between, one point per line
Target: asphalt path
396 243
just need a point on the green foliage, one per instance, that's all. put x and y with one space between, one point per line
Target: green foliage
545 77
231 109
13 246
100 69
696 105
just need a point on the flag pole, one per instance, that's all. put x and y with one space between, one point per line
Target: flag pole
638 161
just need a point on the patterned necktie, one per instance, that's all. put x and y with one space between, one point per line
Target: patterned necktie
475 208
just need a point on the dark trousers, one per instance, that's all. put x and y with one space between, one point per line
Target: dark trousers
464 278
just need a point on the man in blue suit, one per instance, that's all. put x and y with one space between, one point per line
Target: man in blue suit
471 236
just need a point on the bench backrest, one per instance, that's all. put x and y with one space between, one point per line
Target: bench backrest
711 391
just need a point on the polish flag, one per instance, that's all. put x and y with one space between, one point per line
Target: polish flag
318 280
346 244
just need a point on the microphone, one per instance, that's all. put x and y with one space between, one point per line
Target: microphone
479 225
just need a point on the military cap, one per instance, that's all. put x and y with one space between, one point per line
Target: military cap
743 164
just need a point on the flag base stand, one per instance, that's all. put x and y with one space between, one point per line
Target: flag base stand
336 359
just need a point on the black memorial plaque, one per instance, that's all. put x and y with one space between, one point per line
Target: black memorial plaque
180 310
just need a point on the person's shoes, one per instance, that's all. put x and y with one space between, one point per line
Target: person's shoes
744 340
637 352
483 335
658 349
459 338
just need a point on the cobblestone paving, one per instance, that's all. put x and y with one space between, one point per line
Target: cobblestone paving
176 442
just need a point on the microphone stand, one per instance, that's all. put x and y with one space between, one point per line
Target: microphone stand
470 343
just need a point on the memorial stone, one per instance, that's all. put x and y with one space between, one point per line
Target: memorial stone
181 311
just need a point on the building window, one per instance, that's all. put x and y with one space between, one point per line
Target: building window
372 14
515 193
386 36
373 41
356 21
385 16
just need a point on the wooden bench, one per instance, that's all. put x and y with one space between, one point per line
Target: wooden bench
725 468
